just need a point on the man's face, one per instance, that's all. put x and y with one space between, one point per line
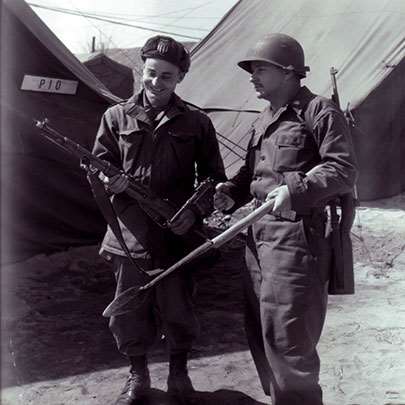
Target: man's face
160 79
267 79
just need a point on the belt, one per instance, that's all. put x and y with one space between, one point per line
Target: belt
293 216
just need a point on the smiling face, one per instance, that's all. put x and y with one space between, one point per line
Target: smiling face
267 79
160 79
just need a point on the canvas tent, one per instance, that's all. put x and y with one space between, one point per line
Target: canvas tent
115 76
363 39
129 57
46 201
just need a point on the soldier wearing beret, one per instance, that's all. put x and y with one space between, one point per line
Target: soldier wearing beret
167 145
300 156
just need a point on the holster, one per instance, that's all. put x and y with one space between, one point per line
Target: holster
341 279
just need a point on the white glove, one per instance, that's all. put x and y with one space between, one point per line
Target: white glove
282 199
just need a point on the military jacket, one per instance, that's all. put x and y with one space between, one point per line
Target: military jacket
167 155
305 145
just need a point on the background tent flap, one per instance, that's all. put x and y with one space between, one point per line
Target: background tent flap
364 40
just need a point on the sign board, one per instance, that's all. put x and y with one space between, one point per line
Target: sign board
49 85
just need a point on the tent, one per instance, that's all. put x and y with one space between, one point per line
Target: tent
46 203
129 57
363 39
115 76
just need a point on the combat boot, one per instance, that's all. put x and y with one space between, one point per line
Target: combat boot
138 382
178 382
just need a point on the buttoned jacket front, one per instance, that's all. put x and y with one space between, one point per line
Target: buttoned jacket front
166 155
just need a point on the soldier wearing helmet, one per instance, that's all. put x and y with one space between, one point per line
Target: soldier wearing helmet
280 50
300 155
160 140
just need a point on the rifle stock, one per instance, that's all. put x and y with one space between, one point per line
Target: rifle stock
341 280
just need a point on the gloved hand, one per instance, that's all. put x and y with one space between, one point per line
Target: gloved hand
183 223
222 200
116 184
282 199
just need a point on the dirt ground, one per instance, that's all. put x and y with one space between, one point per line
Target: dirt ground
57 350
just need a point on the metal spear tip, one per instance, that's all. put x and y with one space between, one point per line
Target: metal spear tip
129 300
113 310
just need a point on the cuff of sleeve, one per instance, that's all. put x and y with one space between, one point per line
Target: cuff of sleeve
298 190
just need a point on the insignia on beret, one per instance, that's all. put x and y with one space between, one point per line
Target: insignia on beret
163 46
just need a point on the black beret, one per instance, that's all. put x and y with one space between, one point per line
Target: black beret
168 49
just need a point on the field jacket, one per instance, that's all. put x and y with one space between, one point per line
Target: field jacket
305 145
167 156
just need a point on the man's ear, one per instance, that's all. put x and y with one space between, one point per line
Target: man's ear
290 75
181 77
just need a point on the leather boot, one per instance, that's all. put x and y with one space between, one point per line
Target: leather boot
178 382
138 382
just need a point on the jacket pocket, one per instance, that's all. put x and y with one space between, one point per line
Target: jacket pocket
130 144
182 139
183 146
291 150
130 136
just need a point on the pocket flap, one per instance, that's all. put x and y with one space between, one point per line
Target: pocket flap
130 131
182 136
291 140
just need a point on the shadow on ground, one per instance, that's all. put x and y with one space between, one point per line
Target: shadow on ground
53 326
223 397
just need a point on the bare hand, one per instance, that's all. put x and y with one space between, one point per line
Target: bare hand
282 199
222 200
117 184
183 223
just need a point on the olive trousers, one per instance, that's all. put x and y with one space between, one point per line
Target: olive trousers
286 298
165 309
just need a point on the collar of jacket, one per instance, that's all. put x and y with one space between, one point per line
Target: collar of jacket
299 104
301 100
135 108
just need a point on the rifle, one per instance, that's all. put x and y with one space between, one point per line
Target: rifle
161 211
342 272
200 200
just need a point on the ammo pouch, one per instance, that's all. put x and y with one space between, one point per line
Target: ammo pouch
341 279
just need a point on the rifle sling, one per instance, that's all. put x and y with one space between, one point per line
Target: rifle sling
109 214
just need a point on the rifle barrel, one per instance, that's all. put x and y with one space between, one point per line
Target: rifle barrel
159 210
335 94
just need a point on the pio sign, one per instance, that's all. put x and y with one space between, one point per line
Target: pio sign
49 85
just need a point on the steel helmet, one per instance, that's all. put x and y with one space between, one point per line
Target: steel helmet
280 50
